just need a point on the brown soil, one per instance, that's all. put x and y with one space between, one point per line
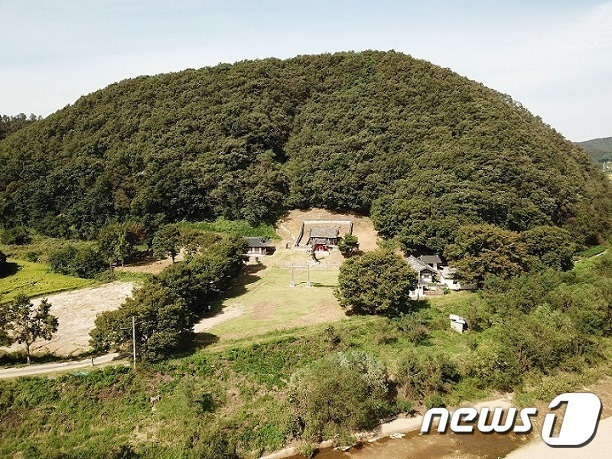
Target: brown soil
149 265
288 227
76 312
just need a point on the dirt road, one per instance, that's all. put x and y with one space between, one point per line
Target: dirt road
46 368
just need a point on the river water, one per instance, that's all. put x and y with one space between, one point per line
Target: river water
432 446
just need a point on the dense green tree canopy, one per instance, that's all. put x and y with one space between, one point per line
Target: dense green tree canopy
423 148
482 250
10 124
343 391
377 282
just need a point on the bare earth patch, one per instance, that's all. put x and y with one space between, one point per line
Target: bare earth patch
76 312
150 265
288 227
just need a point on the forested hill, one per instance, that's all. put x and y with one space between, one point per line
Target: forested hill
10 124
420 147
599 149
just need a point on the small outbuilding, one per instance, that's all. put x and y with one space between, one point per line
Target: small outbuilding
457 323
259 246
448 278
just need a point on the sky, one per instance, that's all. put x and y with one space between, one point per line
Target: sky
555 57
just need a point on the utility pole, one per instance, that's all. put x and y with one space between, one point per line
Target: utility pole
308 269
134 339
292 276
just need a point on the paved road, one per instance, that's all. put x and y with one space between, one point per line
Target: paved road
45 368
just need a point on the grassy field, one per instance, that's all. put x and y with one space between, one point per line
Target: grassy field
35 279
269 303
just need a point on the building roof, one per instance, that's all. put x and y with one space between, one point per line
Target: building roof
448 273
418 265
258 242
430 259
327 233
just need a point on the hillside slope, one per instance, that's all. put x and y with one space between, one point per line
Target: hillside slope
376 132
599 149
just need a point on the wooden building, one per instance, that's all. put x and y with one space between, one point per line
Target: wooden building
259 246
322 239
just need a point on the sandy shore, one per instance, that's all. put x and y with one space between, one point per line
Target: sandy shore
600 447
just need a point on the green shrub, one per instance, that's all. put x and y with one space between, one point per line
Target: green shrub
83 262
419 375
31 256
19 235
414 326
339 393
434 401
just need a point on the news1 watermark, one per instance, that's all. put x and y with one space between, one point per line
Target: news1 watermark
578 426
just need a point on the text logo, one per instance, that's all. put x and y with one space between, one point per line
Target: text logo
578 427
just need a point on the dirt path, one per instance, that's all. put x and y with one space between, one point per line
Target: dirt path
76 312
150 265
231 312
46 368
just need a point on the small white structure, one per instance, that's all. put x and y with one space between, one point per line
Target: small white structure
426 273
433 261
457 323
447 277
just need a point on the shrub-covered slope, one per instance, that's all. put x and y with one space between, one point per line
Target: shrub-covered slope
419 146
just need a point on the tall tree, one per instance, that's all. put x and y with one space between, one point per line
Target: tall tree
481 250
27 322
117 240
167 242
376 283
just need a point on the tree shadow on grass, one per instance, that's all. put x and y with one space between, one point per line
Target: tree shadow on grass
204 339
409 308
249 276
9 269
320 284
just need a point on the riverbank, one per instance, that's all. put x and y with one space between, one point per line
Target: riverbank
399 427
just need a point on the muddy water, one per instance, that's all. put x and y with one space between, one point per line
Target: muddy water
433 446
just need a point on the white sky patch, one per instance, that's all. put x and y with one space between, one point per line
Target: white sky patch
552 56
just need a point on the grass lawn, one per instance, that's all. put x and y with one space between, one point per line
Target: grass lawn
269 303
35 279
